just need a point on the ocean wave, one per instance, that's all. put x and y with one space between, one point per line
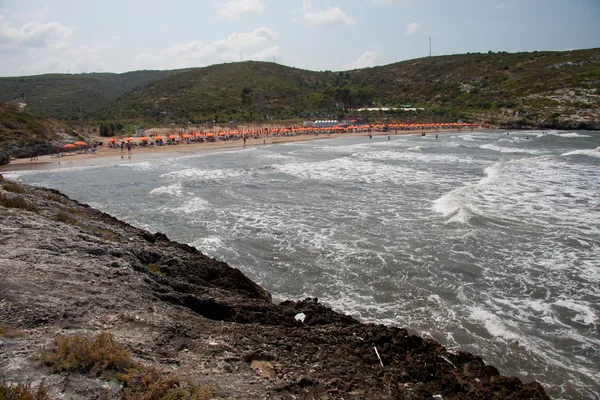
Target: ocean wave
501 149
568 135
199 173
587 152
175 189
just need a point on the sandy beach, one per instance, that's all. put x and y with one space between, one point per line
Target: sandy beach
106 155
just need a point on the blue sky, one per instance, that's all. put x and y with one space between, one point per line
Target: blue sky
74 36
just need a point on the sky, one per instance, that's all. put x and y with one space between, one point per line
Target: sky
83 36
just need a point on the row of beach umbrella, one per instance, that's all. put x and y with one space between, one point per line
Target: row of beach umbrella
293 130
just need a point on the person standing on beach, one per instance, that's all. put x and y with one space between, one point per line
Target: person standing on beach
128 148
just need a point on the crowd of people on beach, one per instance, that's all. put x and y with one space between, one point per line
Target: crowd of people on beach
190 136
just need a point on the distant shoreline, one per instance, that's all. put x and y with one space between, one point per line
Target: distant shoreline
105 155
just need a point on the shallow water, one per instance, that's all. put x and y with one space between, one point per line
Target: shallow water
484 241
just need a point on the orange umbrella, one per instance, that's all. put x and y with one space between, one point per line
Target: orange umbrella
69 146
80 144
113 140
211 134
158 138
127 139
143 138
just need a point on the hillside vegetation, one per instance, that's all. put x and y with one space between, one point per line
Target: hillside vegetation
551 89
21 134
72 96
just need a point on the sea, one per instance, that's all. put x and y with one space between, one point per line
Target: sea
487 241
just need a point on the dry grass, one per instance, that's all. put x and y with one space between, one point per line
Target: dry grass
65 217
9 333
54 197
16 202
155 269
13 187
102 356
23 392
148 383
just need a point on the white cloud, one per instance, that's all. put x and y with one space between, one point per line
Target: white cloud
330 16
232 9
256 45
32 34
37 45
412 28
366 59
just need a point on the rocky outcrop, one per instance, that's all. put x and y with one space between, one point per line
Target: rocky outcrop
69 269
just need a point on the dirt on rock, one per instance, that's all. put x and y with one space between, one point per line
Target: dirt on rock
68 269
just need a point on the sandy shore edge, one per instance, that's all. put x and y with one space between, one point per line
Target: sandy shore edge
104 155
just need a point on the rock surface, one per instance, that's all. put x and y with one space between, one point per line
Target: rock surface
69 269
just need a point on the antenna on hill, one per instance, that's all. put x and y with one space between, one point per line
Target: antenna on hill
429 46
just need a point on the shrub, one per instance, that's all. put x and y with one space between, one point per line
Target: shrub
23 392
16 202
101 356
8 332
148 383
13 187
65 217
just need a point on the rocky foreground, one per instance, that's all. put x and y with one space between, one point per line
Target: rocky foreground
67 269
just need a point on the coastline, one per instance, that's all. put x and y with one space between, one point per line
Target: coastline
75 272
105 155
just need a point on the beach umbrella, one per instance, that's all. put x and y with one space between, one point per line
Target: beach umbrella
69 146
143 138
80 144
113 140
158 138
127 139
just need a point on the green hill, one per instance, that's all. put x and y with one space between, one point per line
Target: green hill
70 96
558 89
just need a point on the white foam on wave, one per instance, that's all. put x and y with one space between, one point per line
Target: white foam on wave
493 324
198 173
568 135
354 169
209 244
587 152
583 314
454 206
501 149
175 189
193 205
